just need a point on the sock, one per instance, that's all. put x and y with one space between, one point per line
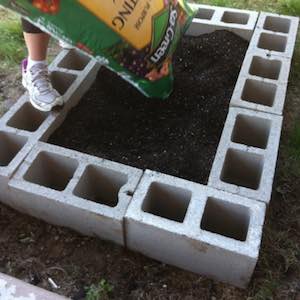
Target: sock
31 63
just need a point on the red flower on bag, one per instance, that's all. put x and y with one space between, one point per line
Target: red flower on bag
84 48
47 6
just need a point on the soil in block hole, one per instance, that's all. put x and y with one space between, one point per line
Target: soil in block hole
177 136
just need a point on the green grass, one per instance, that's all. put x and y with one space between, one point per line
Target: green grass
290 7
12 48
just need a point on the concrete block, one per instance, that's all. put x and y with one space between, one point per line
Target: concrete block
259 94
271 67
71 84
246 157
13 149
74 60
212 18
195 227
73 95
75 190
58 58
275 35
27 121
15 289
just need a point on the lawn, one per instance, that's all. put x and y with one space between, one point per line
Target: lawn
278 272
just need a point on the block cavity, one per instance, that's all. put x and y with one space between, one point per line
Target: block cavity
195 227
27 118
75 190
74 60
246 157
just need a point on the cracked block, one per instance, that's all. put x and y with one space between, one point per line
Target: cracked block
245 161
75 190
195 227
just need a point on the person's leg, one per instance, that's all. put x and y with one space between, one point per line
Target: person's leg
37 45
36 41
35 70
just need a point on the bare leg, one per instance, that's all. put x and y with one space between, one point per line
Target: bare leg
37 45
35 74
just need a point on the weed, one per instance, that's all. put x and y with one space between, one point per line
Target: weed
100 291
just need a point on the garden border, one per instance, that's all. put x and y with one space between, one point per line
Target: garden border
256 106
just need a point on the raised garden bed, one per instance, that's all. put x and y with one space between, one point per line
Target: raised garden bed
178 136
244 170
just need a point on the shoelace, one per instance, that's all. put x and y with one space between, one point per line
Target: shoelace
40 78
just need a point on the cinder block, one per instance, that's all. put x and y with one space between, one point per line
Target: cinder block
212 18
28 121
72 74
246 157
26 117
271 67
275 35
262 83
74 60
74 84
259 94
13 149
25 120
195 227
15 289
74 190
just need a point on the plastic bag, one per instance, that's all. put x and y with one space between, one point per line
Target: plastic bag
135 38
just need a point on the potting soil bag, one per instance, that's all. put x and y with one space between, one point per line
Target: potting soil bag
135 38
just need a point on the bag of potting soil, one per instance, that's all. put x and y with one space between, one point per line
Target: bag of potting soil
135 38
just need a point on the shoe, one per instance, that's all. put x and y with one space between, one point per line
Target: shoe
42 95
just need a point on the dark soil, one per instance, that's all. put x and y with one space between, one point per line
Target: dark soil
35 251
177 136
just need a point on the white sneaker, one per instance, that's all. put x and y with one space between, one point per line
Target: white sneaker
42 95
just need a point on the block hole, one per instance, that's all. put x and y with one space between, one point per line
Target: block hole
266 68
259 92
272 42
277 24
242 169
51 170
227 219
167 201
27 118
62 81
251 131
235 17
10 145
74 60
100 185
205 14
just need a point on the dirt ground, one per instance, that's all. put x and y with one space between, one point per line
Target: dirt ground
177 136
35 251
